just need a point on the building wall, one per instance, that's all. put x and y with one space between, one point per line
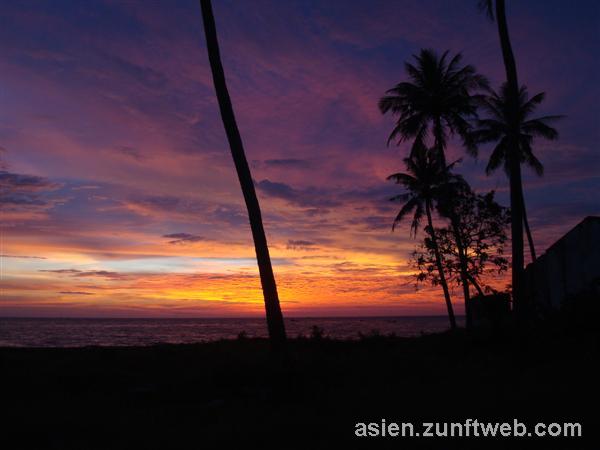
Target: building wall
569 267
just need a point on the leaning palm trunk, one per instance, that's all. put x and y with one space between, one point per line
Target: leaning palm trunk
440 267
514 164
528 232
273 310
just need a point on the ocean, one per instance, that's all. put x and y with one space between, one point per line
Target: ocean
69 332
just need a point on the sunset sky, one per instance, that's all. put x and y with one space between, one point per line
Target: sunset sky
119 195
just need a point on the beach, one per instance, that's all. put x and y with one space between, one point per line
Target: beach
236 392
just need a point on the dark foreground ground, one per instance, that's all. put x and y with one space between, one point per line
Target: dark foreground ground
232 392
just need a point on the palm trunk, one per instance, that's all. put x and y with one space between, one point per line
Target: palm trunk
476 284
440 267
516 193
514 164
510 64
273 310
528 232
463 271
438 141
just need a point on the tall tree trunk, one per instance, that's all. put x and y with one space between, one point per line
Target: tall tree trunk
528 231
517 237
440 267
514 163
438 143
273 310
510 64
464 279
476 284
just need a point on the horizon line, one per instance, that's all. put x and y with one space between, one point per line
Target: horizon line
223 318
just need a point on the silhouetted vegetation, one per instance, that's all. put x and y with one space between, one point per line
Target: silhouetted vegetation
234 394
442 99
498 128
482 231
317 333
230 394
512 99
424 181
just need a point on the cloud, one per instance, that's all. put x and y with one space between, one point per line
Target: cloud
22 256
308 197
17 181
187 210
374 223
75 293
299 244
165 205
3 163
100 274
291 163
85 187
230 214
279 190
106 274
145 153
146 76
130 152
26 193
183 238
61 271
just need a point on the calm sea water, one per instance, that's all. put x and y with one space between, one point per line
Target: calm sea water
20 332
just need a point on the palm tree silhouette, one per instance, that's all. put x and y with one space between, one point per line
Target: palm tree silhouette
439 98
273 310
513 134
422 182
496 10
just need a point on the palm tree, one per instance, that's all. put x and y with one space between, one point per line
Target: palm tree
422 183
439 98
273 310
527 229
513 131
497 10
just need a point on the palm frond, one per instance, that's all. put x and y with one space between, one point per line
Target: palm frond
439 100
498 156
406 209
487 7
402 178
529 158
414 226
500 127
450 166
537 127
400 197
529 105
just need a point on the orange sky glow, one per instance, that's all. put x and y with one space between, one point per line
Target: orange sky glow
119 196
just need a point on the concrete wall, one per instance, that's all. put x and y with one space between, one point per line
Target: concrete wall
569 267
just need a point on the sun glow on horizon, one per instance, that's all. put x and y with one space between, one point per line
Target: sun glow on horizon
118 192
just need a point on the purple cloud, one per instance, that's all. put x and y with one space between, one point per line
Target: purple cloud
183 238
